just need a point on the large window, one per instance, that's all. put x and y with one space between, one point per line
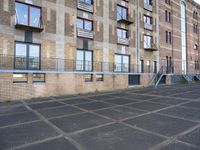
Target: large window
122 33
148 20
122 13
84 24
122 63
27 56
148 40
148 2
84 60
28 15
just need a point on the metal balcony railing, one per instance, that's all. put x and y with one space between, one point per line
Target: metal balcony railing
124 41
85 6
84 33
148 26
148 7
11 63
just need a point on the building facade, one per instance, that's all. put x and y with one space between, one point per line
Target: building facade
60 47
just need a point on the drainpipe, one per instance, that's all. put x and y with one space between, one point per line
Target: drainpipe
138 37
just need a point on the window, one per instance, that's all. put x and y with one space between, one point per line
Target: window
167 16
20 78
168 2
148 20
122 63
28 15
89 2
168 37
148 40
195 15
38 77
84 24
148 2
195 28
27 56
122 13
122 33
195 47
99 77
84 60
88 77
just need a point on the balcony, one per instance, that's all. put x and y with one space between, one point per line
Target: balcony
123 41
148 26
125 21
28 17
84 33
148 7
85 6
151 47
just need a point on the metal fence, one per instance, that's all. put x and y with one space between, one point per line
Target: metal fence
9 62
180 67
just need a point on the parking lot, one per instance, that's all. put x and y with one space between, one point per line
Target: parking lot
163 118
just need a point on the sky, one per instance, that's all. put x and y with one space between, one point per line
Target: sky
198 1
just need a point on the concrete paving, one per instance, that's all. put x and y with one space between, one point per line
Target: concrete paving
163 118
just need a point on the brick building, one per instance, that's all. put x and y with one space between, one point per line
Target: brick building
59 47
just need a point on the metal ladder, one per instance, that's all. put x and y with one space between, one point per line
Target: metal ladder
197 76
157 78
188 77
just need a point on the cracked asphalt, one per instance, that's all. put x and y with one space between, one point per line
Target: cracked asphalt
163 118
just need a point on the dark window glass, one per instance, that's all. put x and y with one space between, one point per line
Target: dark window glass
88 77
38 77
99 77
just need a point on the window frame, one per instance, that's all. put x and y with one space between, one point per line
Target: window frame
83 19
27 55
122 29
43 81
29 6
21 81
84 60
122 69
150 36
121 12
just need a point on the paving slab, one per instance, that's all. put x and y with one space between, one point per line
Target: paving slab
23 134
120 112
116 137
57 144
183 112
18 118
192 105
8 104
12 110
164 125
101 97
148 106
79 122
45 105
120 101
141 97
178 146
167 100
59 111
94 105
77 101
193 137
